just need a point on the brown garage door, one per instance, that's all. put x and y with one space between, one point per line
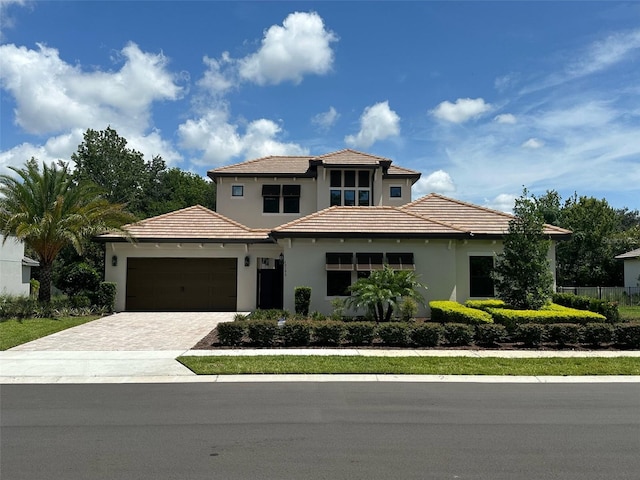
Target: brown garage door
182 284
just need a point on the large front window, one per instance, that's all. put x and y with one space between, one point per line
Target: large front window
271 198
480 281
350 187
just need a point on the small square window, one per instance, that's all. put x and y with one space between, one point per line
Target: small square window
237 191
395 192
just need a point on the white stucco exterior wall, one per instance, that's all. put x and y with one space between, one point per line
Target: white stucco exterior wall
631 272
246 276
14 277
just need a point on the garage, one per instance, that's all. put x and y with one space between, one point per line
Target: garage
181 284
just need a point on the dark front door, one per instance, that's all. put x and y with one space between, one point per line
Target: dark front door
270 283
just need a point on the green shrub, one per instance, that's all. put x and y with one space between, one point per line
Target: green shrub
239 317
230 334
269 314
550 314
627 335
562 333
408 309
485 304
360 333
394 334
328 332
596 334
262 333
582 302
490 334
444 311
302 300
295 333
458 334
530 334
318 317
106 295
80 301
427 334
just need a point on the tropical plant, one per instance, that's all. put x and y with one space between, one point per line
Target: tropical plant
380 293
47 211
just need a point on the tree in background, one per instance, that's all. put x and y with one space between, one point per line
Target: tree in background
600 232
522 276
47 211
146 187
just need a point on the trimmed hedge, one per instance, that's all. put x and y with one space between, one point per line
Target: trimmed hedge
262 333
295 333
562 333
551 314
595 334
445 311
230 333
360 333
531 334
427 334
582 302
394 334
485 304
329 332
458 334
627 335
490 334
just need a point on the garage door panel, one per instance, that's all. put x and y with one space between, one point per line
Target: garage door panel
182 284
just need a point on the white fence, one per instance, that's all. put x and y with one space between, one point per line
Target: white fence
623 295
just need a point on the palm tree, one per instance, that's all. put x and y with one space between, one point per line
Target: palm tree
47 211
381 292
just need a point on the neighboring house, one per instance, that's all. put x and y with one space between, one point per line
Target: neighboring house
15 268
631 268
321 222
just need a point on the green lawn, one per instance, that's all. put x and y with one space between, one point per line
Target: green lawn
282 364
17 332
629 313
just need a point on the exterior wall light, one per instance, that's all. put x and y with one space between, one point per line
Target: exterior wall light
247 261
114 261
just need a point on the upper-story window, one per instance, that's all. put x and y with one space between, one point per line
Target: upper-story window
237 190
395 192
350 187
281 198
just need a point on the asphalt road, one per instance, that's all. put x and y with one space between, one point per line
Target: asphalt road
320 431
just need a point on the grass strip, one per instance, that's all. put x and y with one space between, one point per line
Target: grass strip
300 364
16 332
629 313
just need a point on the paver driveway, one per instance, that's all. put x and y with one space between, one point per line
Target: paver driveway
131 331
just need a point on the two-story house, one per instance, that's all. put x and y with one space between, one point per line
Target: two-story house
321 221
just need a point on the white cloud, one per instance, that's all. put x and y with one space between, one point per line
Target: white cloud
438 182
462 110
376 123
605 53
300 46
53 96
220 140
505 118
503 202
325 120
219 76
533 143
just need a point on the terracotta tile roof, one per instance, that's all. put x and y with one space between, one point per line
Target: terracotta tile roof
304 166
632 254
195 223
387 222
472 218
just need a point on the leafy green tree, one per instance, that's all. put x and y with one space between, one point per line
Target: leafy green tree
380 293
588 258
104 159
549 205
522 276
46 210
178 189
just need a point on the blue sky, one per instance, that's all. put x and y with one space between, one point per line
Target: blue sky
483 98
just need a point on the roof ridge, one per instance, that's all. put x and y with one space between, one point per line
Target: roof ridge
163 215
260 159
351 150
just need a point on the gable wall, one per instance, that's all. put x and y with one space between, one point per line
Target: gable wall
248 209
14 278
631 272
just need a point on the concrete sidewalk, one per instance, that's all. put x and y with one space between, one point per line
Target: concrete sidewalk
161 367
132 347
